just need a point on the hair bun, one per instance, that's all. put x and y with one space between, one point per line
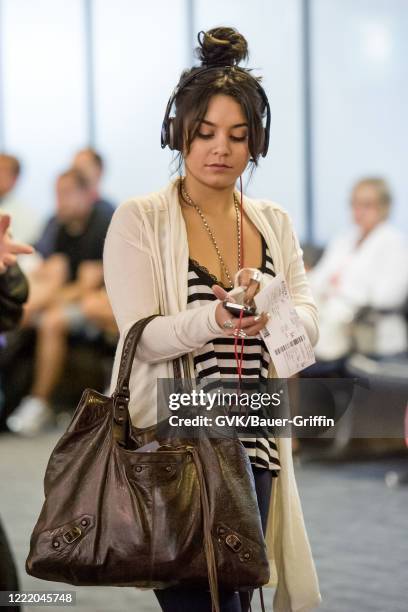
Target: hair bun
221 47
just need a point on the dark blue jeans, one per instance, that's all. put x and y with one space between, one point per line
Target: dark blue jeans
180 599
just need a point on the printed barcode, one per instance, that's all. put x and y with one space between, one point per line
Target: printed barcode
293 342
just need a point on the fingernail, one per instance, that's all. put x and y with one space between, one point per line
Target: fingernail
257 317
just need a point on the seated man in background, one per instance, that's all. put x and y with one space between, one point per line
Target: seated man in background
24 226
362 271
90 163
69 274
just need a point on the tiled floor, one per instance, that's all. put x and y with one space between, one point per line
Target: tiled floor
357 526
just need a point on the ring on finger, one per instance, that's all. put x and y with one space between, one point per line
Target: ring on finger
239 333
228 324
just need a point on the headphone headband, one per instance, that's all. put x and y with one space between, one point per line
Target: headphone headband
167 136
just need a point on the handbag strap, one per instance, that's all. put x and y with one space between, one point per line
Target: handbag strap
128 354
121 395
208 543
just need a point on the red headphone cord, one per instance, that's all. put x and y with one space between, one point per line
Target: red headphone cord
240 357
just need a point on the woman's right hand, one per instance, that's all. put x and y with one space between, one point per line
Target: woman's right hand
246 326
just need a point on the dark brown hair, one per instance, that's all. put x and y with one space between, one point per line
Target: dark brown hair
79 179
14 163
219 47
96 157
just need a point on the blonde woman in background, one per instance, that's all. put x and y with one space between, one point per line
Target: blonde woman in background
363 270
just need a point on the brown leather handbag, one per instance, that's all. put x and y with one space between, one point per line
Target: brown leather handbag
118 514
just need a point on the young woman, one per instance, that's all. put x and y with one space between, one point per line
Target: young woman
176 252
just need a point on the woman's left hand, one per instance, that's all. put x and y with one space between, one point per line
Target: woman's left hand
249 278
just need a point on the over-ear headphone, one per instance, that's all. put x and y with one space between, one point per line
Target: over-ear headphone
168 138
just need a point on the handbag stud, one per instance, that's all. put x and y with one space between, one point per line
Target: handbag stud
72 535
244 556
233 542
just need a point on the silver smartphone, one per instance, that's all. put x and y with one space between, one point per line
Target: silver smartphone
236 309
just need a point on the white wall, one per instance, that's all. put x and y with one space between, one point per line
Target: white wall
140 50
272 28
42 48
360 85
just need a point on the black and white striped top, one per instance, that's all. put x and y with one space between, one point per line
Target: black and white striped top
217 359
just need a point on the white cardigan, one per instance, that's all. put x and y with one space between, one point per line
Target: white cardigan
374 274
146 267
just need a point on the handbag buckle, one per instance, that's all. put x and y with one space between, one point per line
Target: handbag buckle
233 542
120 402
72 535
123 394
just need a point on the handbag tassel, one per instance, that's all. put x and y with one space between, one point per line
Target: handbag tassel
208 544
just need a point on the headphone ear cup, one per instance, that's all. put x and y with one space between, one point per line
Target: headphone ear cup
171 135
262 143
265 143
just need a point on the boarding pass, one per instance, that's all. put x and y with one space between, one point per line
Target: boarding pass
284 334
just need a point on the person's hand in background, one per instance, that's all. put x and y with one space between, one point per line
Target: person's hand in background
8 248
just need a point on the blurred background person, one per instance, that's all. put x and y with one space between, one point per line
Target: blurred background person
97 309
361 282
70 271
79 227
91 164
13 294
25 225
13 285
